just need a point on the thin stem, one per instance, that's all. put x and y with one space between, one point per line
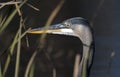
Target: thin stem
8 3
32 69
29 64
18 50
76 65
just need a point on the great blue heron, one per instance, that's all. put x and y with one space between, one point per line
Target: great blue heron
76 27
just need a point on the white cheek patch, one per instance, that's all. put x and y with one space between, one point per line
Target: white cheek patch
67 30
64 32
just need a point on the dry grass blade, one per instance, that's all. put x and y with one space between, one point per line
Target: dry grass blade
26 37
32 70
29 64
2 20
54 72
8 3
76 65
18 49
18 9
50 19
33 7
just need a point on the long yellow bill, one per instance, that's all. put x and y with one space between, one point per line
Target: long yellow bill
43 31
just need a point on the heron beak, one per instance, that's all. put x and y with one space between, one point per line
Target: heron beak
53 29
41 31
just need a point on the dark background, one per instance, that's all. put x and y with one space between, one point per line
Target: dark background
103 15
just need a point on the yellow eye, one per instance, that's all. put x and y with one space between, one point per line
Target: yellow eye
67 24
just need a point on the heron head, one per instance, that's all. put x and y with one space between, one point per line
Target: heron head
76 27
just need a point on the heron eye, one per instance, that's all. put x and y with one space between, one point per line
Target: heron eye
67 24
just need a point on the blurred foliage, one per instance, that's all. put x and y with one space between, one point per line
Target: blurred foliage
8 11
6 16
